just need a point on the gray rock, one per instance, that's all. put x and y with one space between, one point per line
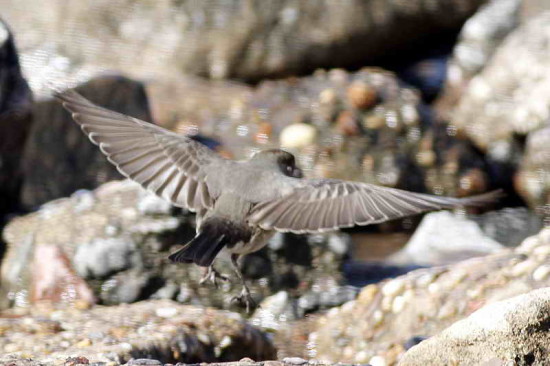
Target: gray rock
443 238
153 330
509 226
219 39
514 330
103 257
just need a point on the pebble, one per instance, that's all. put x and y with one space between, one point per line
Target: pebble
294 360
378 361
398 304
393 287
377 318
529 244
144 362
522 268
367 294
298 135
541 272
166 312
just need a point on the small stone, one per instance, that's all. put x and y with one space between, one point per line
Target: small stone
246 360
529 244
361 95
393 287
367 294
377 318
166 312
377 361
298 135
84 343
522 268
144 362
398 304
294 360
73 361
541 272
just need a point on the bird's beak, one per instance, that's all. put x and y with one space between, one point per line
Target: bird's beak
297 173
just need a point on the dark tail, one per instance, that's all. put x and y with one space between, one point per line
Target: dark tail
213 236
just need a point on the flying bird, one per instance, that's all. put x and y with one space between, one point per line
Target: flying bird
240 204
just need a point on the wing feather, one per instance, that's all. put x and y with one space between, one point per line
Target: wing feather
170 165
328 204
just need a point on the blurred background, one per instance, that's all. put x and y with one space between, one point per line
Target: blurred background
447 97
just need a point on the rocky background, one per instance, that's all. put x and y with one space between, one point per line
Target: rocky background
439 96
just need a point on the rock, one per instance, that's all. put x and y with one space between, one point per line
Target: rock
15 122
111 246
479 38
131 333
509 226
59 159
532 180
228 40
513 330
443 238
509 96
422 303
19 361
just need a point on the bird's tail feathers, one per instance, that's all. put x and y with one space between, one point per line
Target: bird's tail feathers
214 234
201 250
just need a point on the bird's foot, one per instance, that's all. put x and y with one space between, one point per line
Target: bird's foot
213 276
245 298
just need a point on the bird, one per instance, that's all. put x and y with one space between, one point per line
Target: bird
240 204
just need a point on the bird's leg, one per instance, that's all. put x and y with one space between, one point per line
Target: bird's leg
212 276
244 296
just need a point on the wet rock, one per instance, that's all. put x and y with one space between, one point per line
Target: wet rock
443 238
59 159
424 302
15 122
513 330
159 330
228 40
114 242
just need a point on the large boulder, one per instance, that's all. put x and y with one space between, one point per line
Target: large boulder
15 122
58 157
235 39
514 330
388 317
163 330
111 246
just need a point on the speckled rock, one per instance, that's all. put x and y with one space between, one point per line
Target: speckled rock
218 39
511 331
111 246
58 157
73 361
479 38
162 330
15 122
509 96
385 316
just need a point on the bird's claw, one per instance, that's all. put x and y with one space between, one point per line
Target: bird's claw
245 298
213 276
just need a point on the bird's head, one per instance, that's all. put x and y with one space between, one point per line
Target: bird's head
278 159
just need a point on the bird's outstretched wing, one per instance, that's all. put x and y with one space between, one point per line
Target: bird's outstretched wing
170 165
328 204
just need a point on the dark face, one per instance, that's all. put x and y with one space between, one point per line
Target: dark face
287 164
